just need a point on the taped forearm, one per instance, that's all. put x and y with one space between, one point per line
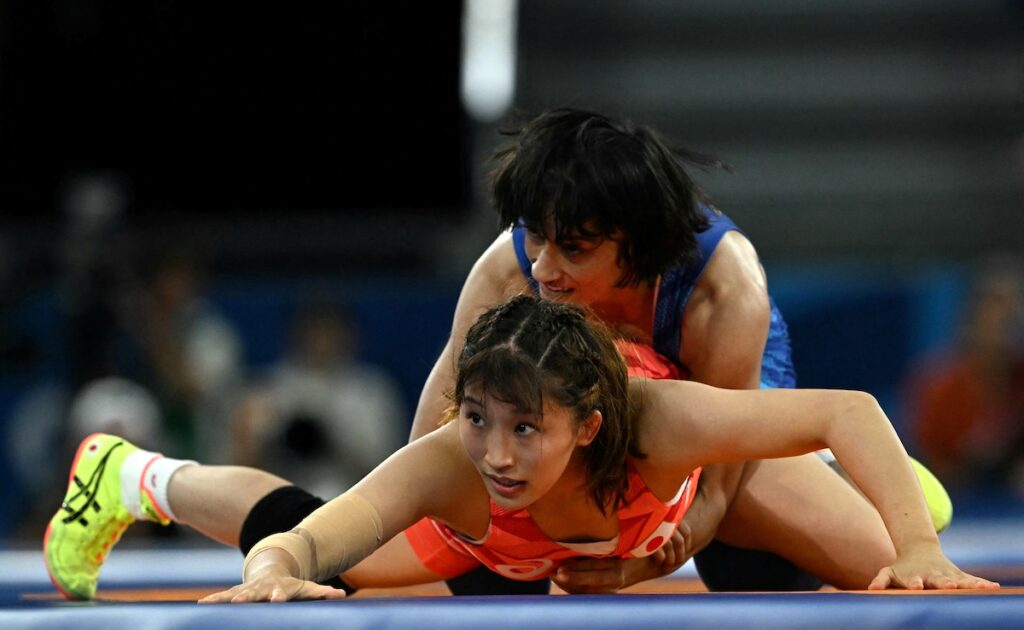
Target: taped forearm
327 542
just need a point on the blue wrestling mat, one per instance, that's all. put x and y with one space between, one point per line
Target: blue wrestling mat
28 600
696 612
585 612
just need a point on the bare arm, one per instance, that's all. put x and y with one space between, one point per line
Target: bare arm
725 325
708 425
431 477
494 277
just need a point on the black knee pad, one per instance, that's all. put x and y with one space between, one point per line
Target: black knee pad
280 511
483 581
723 567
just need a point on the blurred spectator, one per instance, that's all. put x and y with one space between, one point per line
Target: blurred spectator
118 406
45 425
187 354
52 365
967 404
92 255
321 419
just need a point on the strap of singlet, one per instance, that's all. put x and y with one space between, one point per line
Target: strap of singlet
677 284
519 245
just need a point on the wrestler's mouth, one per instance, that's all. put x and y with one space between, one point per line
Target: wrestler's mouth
504 486
549 292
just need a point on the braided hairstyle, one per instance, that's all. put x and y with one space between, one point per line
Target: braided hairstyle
528 348
598 177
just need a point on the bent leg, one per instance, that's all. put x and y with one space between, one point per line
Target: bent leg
800 509
215 500
725 567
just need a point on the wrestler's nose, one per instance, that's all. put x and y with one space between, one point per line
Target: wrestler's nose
545 263
499 455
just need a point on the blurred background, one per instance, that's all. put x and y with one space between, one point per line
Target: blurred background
237 233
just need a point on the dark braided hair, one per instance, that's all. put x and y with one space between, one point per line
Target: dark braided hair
528 348
598 177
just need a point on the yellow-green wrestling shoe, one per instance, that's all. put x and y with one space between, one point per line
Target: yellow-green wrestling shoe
940 506
91 518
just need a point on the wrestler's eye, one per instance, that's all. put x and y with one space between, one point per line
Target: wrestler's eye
571 248
524 428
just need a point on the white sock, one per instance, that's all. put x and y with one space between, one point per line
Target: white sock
145 471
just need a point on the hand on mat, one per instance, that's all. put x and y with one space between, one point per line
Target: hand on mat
608 575
924 569
273 588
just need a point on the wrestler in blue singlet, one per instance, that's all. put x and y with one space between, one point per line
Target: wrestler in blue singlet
674 292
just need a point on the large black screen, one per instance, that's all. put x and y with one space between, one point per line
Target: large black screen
247 108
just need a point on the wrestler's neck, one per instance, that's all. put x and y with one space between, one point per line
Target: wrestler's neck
629 310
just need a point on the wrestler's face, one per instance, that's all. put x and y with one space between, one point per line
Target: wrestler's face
582 270
520 456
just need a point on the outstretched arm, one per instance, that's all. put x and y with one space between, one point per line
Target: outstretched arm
709 425
428 478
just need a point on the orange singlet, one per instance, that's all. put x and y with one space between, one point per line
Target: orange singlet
515 547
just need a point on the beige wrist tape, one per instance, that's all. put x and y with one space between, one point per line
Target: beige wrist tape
329 541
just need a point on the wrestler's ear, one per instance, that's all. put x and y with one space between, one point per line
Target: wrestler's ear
589 428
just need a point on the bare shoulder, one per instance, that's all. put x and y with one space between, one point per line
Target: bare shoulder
442 451
662 420
727 317
734 273
660 412
431 476
497 269
436 460
462 499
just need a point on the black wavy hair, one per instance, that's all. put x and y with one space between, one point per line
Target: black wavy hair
596 177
